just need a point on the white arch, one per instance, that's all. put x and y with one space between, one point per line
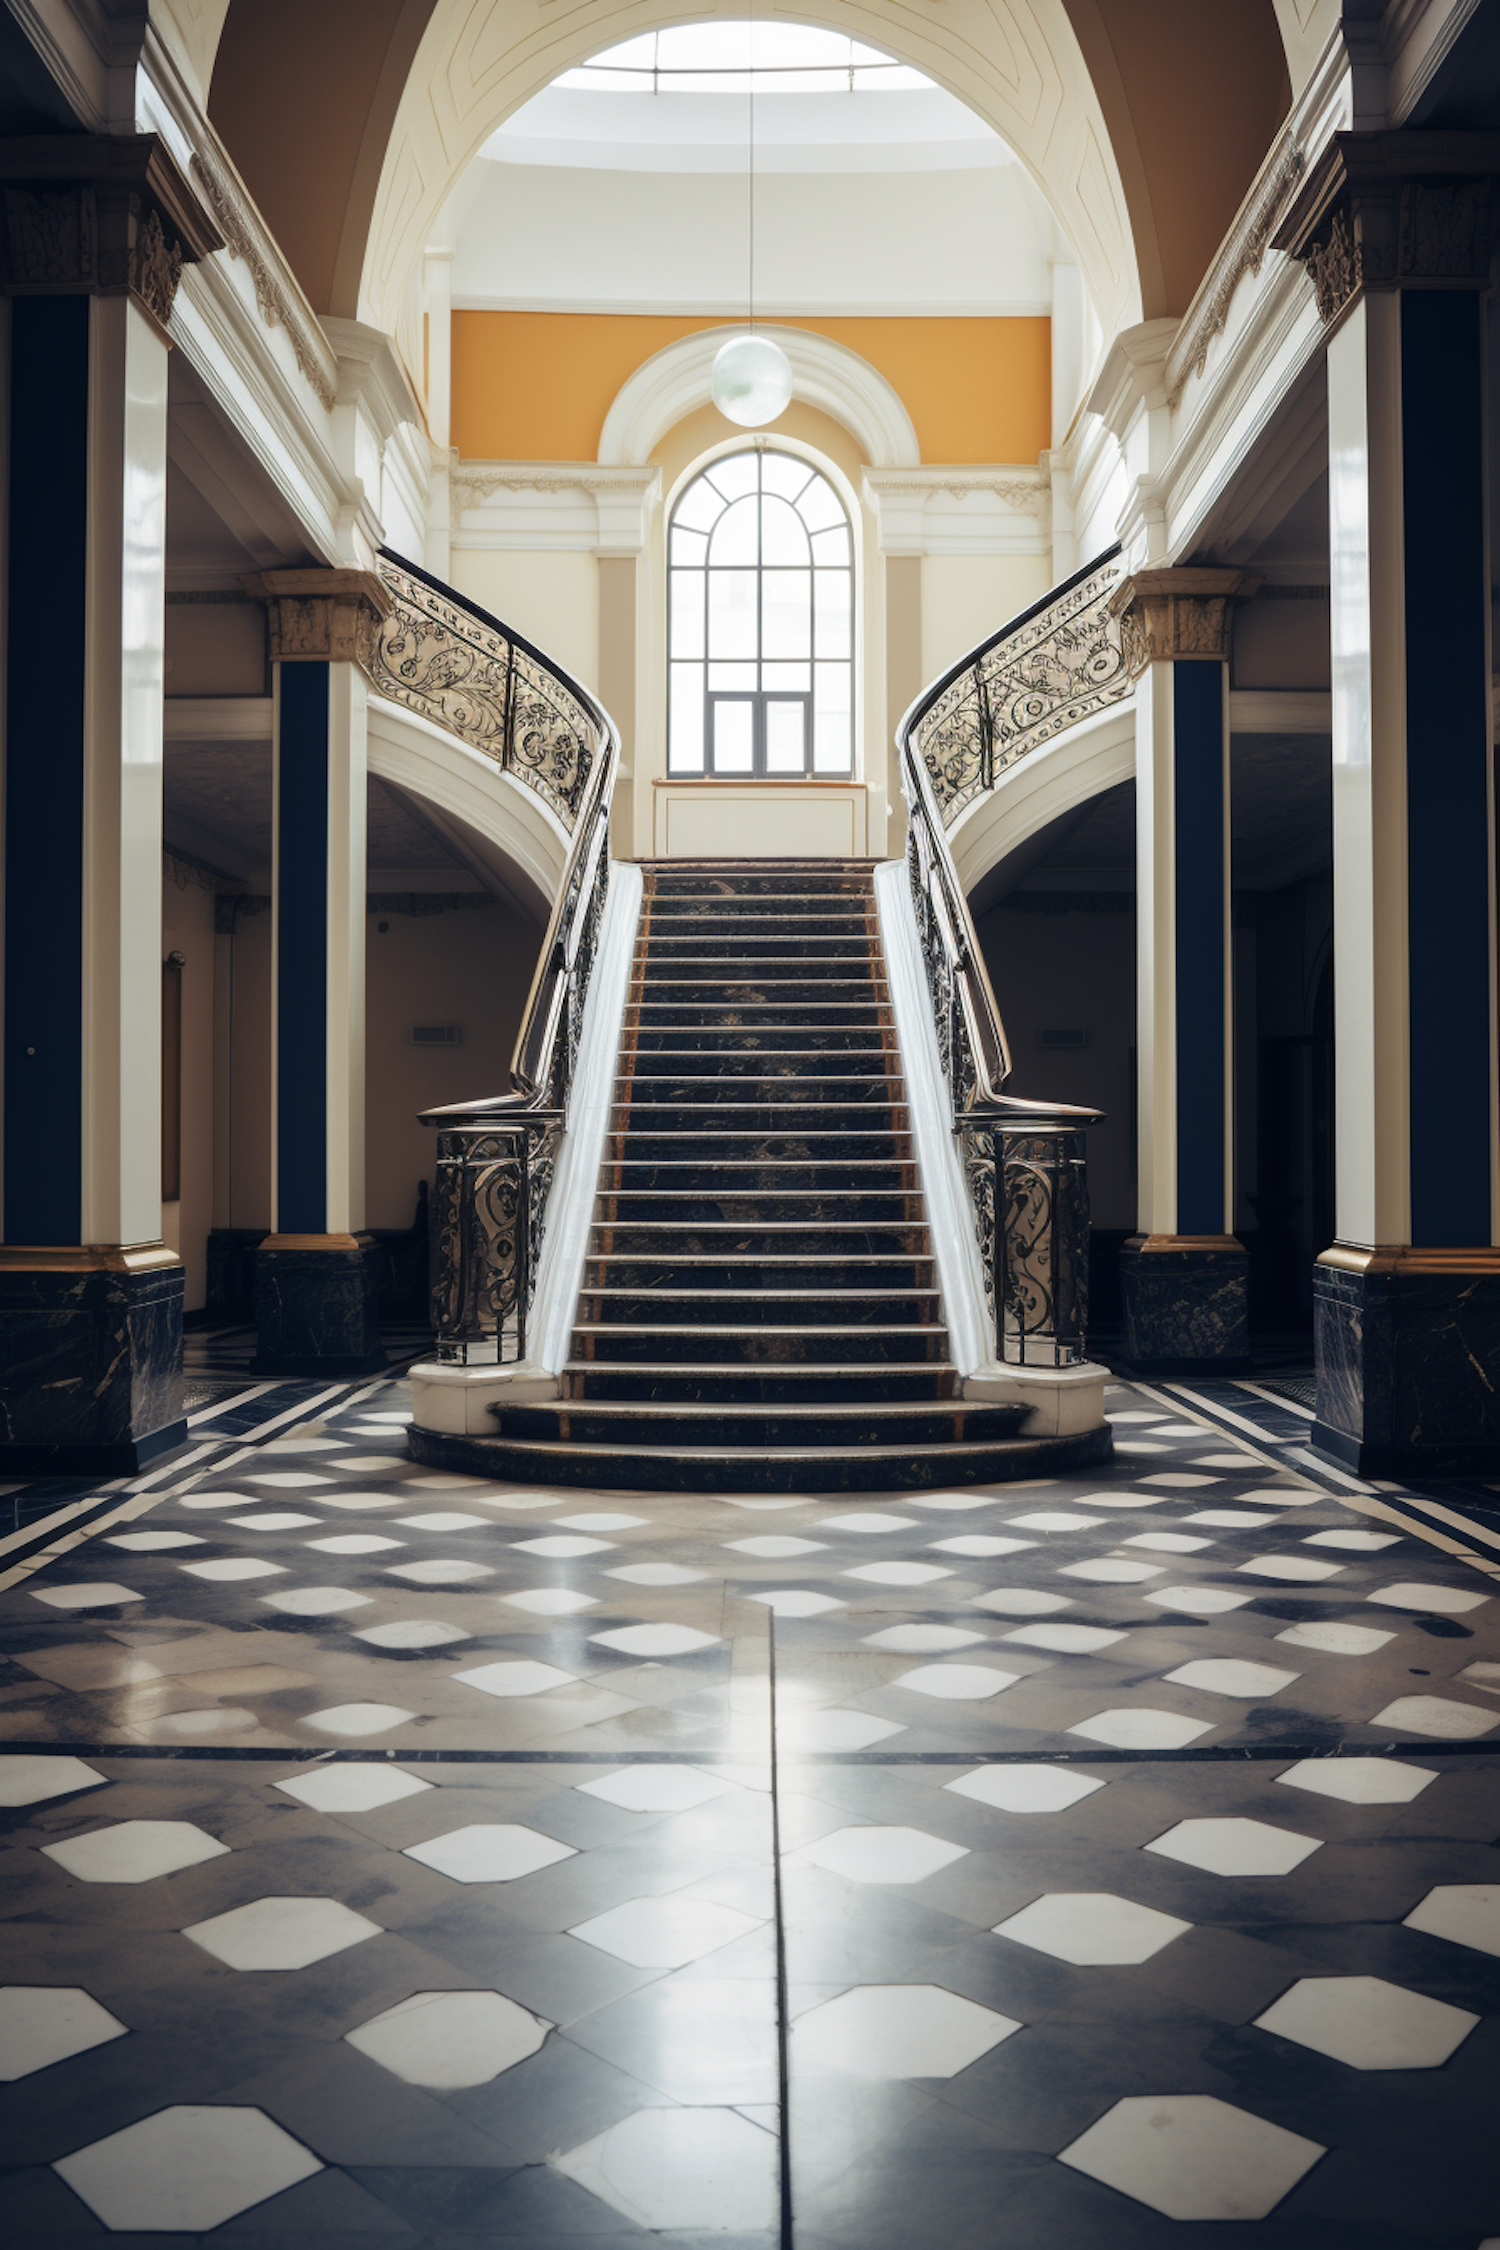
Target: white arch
1083 763
1016 63
432 764
675 382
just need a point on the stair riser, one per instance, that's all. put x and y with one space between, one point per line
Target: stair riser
746 1387
720 1424
715 1016
723 1346
768 1147
759 1063
715 1105
614 1239
843 955
678 1308
884 1213
752 1277
723 1046
713 1125
728 1179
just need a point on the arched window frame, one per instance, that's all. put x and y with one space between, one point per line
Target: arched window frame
691 752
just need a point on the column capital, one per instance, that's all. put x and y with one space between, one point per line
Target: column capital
1394 210
98 215
1177 614
321 616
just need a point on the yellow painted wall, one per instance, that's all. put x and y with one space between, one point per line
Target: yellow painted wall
537 386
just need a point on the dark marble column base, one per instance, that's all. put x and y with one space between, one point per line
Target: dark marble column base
90 1364
1186 1306
315 1307
1407 1346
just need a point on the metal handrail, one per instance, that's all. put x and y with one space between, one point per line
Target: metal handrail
496 1153
1023 1160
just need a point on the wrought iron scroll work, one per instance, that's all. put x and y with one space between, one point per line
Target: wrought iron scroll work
467 673
497 1156
1023 1162
1058 663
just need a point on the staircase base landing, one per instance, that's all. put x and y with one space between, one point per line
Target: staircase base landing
736 1469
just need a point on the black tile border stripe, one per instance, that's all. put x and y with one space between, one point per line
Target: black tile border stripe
1222 1753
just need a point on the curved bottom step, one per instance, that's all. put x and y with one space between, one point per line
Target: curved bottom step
729 1468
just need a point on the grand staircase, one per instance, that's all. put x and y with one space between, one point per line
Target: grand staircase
760 1307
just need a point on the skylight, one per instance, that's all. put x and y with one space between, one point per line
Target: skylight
727 58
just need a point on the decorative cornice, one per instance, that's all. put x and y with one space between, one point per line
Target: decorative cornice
101 215
1177 616
322 616
1026 490
475 482
242 231
1242 252
1387 210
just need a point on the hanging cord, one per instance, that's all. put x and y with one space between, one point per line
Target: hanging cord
751 81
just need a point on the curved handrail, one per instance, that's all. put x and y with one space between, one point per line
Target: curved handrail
450 660
1023 1160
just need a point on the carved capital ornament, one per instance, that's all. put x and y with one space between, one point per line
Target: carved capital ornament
1172 616
98 215
322 616
1395 210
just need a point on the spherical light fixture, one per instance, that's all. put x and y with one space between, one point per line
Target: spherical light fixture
752 381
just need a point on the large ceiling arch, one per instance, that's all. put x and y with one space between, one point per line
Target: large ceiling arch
1017 63
1142 121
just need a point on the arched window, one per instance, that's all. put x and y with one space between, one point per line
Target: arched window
761 622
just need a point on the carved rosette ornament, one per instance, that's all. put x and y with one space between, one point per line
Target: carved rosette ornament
1394 210
322 616
1171 616
98 215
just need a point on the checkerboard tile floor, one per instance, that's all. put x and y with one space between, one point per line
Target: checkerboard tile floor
390 1856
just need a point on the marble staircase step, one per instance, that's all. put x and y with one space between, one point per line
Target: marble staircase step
761 1468
788 1342
753 1274
814 1238
853 1306
852 1423
741 1381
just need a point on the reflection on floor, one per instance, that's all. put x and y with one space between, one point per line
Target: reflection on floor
391 1858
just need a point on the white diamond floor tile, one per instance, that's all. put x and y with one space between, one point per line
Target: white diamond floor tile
1192 2156
882 1855
1232 1675
31 1777
1463 1913
1092 1929
897 2031
1368 2023
957 1683
1142 1729
665 1933
281 1933
446 2040
1025 1789
186 2170
658 1789
135 1851
681 2170
1360 1781
42 2024
1235 1847
490 1852
352 1788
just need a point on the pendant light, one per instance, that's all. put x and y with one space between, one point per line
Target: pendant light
752 377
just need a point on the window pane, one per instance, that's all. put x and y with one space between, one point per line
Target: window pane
786 605
735 538
734 737
728 678
780 473
731 613
828 546
689 547
819 506
832 733
782 538
736 476
687 613
832 597
686 719
792 679
786 737
700 507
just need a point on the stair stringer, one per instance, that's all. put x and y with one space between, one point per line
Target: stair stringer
456 1400
1065 1401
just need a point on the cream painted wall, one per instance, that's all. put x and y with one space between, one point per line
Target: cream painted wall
965 598
188 927
242 1074
553 598
825 242
468 966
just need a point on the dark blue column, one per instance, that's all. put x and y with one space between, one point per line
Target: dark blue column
301 908
47 536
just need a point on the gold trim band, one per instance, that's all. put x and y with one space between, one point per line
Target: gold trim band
1403 1257
87 1257
314 1242
1220 1244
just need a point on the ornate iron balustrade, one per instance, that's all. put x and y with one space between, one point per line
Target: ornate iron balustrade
463 669
1023 1161
496 1156
1057 663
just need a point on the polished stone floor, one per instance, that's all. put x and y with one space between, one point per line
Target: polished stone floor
398 1858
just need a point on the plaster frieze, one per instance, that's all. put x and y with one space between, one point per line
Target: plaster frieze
247 237
1242 253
